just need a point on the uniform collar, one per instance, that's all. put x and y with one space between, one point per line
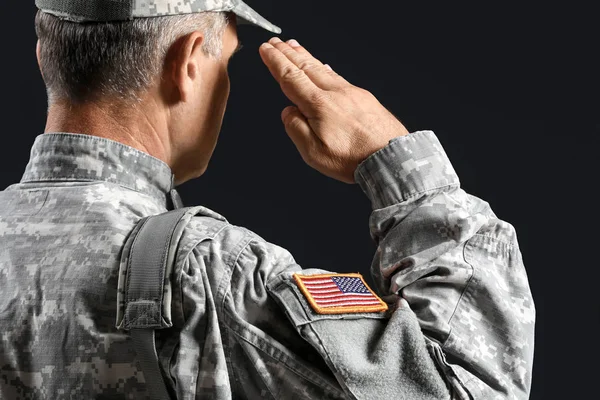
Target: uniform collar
77 157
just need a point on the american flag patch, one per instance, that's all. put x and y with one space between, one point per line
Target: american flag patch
339 293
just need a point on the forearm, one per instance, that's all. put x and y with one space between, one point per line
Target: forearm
457 265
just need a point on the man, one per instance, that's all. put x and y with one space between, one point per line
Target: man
137 92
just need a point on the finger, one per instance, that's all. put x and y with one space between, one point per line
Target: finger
299 52
293 43
298 129
294 82
321 75
300 49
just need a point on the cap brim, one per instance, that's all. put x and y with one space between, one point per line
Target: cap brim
246 15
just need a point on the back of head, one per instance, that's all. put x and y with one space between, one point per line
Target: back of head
89 61
151 74
92 49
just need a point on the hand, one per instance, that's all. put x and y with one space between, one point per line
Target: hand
334 125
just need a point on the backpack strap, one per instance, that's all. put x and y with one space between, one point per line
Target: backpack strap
143 292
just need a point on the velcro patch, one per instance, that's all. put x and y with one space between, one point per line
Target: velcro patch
339 294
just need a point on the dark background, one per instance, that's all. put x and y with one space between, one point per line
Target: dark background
510 90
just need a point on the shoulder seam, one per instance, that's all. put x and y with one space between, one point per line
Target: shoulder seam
244 247
496 239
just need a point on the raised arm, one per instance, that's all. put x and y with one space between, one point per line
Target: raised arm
441 252
455 263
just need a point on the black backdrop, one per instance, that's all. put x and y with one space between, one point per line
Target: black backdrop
510 91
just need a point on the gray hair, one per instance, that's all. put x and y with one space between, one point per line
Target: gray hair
115 60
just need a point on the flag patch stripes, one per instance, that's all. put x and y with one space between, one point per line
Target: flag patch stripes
339 293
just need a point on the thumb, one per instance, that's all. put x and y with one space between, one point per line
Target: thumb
297 128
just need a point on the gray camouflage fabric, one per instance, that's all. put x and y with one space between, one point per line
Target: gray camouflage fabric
460 324
96 10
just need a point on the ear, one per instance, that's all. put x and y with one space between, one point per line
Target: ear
37 54
188 58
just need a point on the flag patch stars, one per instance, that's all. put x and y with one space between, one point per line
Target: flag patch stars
339 294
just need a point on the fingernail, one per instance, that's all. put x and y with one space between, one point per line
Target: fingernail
293 43
275 40
328 67
266 46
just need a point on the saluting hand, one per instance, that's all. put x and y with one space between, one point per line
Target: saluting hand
334 124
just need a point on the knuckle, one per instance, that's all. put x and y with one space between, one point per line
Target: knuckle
345 90
293 122
313 156
330 146
318 98
308 156
279 46
290 73
354 92
363 92
306 64
287 51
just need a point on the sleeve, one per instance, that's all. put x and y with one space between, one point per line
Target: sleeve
457 265
304 354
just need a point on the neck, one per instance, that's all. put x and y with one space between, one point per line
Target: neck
129 125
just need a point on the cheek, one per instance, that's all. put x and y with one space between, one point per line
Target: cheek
213 94
222 89
217 95
225 83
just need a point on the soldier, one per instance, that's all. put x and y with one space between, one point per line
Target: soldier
137 90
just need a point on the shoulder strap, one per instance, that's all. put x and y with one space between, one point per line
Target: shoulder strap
143 295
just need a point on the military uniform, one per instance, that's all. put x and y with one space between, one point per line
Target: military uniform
460 321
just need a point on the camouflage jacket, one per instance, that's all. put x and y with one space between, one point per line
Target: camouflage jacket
460 322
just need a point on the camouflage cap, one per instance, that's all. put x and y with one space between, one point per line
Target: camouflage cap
119 10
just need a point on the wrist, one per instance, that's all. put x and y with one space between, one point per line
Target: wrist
407 166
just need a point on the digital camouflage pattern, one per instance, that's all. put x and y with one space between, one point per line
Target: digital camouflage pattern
153 8
96 10
460 324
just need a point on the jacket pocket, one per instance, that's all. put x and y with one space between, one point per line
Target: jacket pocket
372 355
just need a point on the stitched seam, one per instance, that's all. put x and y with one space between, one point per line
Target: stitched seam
508 244
445 367
403 138
127 299
318 382
52 136
165 257
415 194
99 182
259 374
226 285
127 248
226 280
61 180
185 251
463 292
234 373
420 193
180 258
181 271
336 371
367 181
44 203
